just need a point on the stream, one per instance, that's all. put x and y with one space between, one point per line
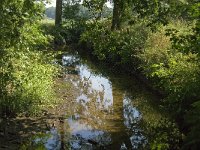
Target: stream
108 109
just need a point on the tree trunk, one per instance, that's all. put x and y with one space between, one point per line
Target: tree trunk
116 15
58 19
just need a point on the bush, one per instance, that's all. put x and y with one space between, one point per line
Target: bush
119 47
173 71
72 30
26 74
192 139
169 57
170 138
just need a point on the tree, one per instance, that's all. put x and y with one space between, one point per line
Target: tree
116 15
71 9
21 64
95 7
58 19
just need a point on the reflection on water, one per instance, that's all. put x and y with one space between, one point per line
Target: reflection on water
83 135
103 114
50 140
53 141
131 114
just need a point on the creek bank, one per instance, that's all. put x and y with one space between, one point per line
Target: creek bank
19 132
129 99
101 109
84 50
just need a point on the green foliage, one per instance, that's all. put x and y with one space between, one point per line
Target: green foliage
168 55
72 31
95 6
47 26
75 16
159 11
188 42
26 75
176 72
173 71
192 119
120 46
14 14
166 140
71 9
28 80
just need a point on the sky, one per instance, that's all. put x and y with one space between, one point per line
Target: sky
53 3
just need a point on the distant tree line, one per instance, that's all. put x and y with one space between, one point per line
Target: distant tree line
50 12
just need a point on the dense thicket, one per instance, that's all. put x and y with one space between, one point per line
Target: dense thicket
26 74
158 40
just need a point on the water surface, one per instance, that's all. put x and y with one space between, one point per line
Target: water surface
108 110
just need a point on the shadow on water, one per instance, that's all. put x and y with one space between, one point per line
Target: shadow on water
14 132
110 110
107 110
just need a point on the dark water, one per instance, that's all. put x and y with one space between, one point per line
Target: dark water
109 110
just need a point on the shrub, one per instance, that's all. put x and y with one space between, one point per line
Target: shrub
119 47
174 71
26 74
169 139
72 30
192 139
169 57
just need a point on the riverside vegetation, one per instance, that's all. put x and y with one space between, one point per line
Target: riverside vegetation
26 68
157 40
